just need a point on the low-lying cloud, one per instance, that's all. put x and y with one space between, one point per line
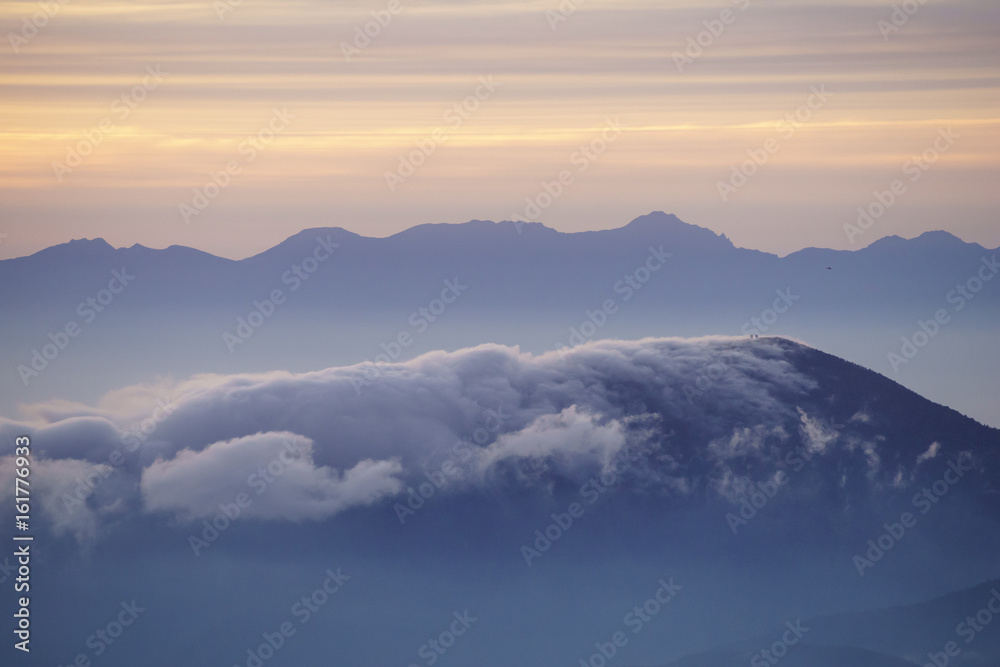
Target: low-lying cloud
276 467
307 446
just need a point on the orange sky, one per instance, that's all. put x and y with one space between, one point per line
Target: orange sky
557 79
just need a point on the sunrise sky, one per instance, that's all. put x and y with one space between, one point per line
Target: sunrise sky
557 75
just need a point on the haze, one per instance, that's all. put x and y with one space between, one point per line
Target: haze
548 80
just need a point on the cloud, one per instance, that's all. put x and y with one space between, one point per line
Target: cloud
816 433
931 452
274 470
64 491
746 441
572 442
307 446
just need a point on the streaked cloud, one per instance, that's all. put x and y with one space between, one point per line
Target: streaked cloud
607 59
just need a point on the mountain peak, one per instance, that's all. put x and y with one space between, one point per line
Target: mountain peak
304 241
656 217
77 248
679 232
940 237
936 239
97 244
477 227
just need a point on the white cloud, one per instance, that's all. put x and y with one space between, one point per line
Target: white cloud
564 414
572 443
931 452
816 433
274 470
62 490
746 441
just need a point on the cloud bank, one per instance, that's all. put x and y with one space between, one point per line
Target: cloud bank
305 447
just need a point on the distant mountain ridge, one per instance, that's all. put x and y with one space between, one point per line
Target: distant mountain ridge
897 636
656 221
528 285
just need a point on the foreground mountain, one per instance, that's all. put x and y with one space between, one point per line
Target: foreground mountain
328 297
955 629
969 620
650 499
801 656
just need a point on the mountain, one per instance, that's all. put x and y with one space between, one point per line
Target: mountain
921 630
648 499
518 284
799 656
897 636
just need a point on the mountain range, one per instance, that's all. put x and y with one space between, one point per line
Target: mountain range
943 630
513 283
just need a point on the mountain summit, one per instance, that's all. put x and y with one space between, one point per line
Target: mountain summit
344 296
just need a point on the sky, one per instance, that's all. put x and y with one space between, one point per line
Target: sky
231 125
